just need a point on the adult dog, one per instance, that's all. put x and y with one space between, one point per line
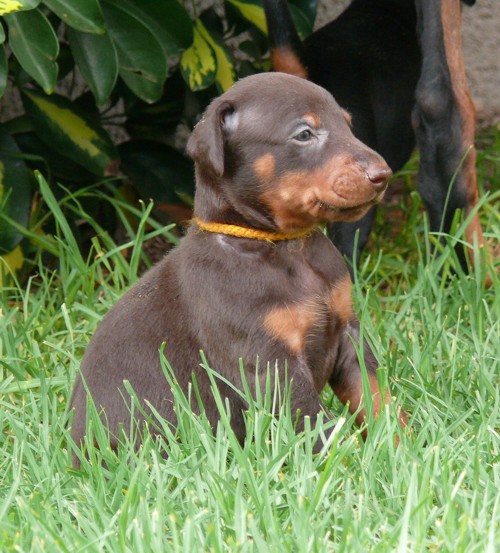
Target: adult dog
397 67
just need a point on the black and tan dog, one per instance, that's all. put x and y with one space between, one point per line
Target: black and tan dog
397 67
254 276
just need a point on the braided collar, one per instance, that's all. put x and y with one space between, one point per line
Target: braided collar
245 232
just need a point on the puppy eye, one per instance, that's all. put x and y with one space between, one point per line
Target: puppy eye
303 136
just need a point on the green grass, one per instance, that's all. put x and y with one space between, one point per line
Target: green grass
437 338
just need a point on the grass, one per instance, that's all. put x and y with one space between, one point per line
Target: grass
437 337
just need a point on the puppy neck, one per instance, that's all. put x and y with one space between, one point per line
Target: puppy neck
246 232
213 203
215 212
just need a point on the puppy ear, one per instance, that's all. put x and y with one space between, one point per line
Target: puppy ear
206 143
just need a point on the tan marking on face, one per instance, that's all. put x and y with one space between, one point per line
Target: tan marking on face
312 119
347 117
285 61
340 300
452 29
291 324
294 199
264 167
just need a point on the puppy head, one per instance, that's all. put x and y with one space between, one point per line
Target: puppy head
283 146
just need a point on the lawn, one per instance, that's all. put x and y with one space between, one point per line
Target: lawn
436 331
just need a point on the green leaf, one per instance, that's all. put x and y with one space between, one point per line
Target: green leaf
157 171
59 123
4 70
141 13
15 192
252 11
84 15
35 46
96 58
47 159
307 8
303 25
2 34
141 58
198 63
225 75
10 263
11 6
172 17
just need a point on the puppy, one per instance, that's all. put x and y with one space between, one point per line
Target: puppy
254 276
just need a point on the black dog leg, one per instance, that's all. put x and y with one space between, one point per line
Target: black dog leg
444 121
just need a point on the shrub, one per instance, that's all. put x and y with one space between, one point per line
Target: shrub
106 88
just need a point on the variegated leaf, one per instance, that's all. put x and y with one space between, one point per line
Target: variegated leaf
251 11
11 6
225 75
59 123
198 63
10 263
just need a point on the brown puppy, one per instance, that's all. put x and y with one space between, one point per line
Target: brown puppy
275 158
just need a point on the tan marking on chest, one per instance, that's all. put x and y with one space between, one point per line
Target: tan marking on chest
291 324
340 300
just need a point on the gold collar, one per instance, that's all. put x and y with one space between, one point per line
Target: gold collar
245 232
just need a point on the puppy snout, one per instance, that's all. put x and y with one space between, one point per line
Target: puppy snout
378 174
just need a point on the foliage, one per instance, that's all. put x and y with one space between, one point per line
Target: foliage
105 87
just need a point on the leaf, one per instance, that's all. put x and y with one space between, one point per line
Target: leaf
198 63
141 59
307 8
173 17
59 123
96 58
84 15
251 11
35 46
4 70
41 155
15 192
11 6
10 263
157 171
225 75
302 24
138 11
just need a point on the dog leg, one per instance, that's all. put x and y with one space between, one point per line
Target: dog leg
347 382
304 398
444 121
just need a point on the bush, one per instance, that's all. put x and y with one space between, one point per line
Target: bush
106 86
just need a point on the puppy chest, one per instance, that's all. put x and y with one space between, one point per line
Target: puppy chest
311 327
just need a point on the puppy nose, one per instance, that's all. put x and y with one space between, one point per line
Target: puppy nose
378 174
